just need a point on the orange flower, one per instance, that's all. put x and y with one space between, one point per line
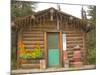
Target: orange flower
20 44
21 47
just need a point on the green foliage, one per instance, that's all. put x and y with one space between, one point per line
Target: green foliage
35 53
91 36
92 56
92 14
18 9
21 8
91 47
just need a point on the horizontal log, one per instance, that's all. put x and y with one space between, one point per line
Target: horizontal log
48 29
71 48
74 39
33 39
33 42
68 28
32 29
70 52
27 49
70 59
74 35
72 32
70 55
75 42
34 32
44 26
29 66
32 35
33 46
31 61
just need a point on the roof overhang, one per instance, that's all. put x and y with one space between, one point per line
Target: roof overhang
56 15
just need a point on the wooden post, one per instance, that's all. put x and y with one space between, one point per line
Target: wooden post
51 14
17 49
61 50
45 48
17 46
19 37
85 49
57 22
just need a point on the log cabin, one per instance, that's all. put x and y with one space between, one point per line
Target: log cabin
54 34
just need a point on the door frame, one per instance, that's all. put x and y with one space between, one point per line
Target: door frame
59 46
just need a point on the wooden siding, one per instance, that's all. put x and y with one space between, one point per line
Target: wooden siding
37 33
31 64
74 38
30 39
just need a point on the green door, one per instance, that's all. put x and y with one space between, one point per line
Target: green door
53 50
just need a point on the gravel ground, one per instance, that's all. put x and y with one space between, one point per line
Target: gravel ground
30 71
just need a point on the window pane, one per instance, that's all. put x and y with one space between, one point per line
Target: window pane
53 40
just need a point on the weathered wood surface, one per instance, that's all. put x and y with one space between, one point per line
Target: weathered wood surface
34 34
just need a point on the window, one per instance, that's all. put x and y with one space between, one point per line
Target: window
64 41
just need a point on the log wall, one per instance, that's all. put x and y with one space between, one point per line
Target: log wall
32 34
